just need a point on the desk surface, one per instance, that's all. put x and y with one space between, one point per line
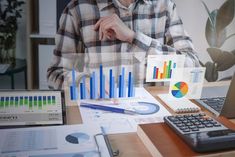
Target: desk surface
129 144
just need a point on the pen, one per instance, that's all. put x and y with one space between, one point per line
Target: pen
107 108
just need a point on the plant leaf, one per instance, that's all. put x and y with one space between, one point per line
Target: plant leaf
223 59
225 15
214 38
209 14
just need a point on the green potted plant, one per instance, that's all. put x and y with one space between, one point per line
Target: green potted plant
10 11
216 35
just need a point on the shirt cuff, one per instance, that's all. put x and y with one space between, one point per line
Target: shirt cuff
142 41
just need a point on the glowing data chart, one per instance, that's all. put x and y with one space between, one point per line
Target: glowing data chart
161 67
98 85
179 90
187 82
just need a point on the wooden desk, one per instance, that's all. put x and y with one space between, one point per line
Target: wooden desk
128 144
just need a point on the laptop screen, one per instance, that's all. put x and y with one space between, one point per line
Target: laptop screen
29 108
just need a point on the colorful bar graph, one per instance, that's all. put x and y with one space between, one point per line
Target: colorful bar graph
113 90
164 72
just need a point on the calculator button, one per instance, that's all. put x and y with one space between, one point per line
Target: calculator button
183 128
177 122
186 130
180 125
217 125
172 119
195 129
209 125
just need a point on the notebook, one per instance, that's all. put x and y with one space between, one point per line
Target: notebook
179 105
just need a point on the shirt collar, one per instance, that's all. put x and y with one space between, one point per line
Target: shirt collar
102 4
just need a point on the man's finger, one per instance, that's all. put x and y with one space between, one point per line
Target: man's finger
100 33
97 25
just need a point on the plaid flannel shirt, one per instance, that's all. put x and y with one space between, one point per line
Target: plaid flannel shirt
158 30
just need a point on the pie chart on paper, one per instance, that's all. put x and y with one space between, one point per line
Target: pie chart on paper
179 90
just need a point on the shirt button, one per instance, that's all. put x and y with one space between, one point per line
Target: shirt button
127 14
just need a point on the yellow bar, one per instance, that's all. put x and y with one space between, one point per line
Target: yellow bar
164 70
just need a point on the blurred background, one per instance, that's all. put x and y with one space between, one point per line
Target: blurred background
27 38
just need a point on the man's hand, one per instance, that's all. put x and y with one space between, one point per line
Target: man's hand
111 27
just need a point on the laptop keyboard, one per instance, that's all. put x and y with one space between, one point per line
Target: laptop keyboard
215 103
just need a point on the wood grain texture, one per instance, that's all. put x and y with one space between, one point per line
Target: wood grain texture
171 145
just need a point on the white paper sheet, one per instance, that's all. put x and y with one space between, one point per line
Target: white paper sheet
124 123
56 141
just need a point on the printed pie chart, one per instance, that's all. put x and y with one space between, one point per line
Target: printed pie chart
179 90
77 138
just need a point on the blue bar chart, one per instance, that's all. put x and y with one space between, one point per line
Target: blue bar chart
113 89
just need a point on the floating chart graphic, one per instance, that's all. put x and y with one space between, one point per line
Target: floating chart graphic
161 67
179 90
166 70
193 77
98 85
77 138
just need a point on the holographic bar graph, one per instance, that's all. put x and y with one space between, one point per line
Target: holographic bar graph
112 91
164 72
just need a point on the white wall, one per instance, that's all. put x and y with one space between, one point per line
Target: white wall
194 17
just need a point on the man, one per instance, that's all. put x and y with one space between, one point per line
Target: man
150 26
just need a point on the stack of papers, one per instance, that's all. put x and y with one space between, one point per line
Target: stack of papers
152 112
56 141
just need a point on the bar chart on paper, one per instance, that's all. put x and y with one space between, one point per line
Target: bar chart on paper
161 67
101 86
